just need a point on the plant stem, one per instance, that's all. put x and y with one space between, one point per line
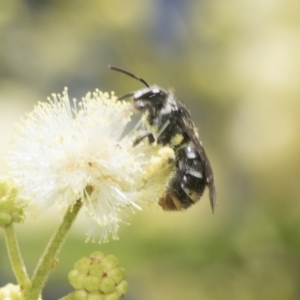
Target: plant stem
47 261
16 258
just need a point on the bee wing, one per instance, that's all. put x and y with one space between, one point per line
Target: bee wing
185 121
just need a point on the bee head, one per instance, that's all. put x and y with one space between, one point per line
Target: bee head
151 99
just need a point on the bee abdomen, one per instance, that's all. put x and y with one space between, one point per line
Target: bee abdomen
188 183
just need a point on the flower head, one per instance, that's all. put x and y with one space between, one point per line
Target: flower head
10 291
98 276
64 151
11 208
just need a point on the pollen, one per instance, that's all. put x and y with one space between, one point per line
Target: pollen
177 140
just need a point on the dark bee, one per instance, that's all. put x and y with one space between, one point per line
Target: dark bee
170 124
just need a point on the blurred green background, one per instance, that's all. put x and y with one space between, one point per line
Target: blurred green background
236 66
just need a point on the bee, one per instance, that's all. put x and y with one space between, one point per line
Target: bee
170 124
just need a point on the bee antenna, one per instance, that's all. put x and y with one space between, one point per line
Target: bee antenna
125 96
129 74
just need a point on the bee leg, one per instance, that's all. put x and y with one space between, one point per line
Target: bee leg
148 135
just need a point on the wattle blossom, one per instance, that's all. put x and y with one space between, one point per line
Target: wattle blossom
64 151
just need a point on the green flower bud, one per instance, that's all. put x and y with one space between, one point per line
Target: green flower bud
11 210
122 288
76 279
110 262
91 283
5 218
95 296
80 295
98 277
107 286
82 265
97 256
113 296
117 274
10 291
96 270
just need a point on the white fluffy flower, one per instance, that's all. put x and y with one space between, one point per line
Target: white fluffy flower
64 151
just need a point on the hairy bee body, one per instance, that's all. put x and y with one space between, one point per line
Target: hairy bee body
169 123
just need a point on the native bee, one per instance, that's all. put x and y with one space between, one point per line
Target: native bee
170 123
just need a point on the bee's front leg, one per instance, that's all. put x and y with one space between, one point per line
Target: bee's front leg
148 135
